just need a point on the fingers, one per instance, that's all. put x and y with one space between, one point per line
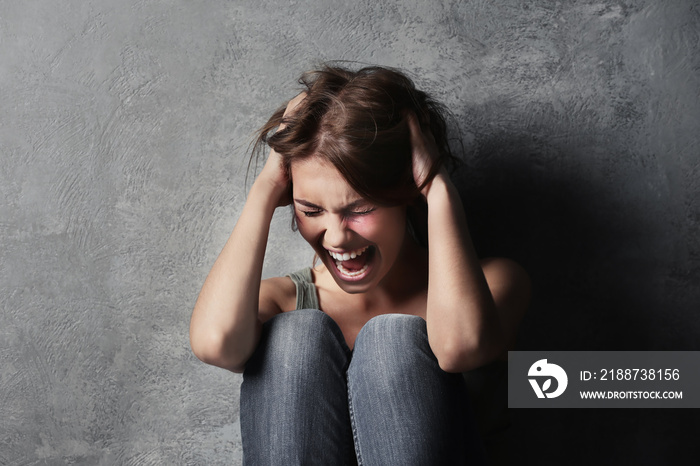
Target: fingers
424 150
414 127
293 104
420 137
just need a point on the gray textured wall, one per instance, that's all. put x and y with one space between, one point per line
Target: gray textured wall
123 133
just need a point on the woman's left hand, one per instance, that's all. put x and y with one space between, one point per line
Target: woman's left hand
424 152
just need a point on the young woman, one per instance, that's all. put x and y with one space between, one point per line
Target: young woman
358 359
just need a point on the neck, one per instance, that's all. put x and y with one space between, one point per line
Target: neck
407 277
410 271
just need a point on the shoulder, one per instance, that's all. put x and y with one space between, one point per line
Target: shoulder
509 283
277 294
510 287
503 269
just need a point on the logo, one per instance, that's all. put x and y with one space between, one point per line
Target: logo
547 371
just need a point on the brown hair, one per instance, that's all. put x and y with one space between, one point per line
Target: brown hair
356 120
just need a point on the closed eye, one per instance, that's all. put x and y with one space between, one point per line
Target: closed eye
362 212
310 213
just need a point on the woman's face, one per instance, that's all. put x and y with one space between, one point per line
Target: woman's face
357 241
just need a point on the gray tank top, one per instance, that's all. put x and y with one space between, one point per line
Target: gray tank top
306 290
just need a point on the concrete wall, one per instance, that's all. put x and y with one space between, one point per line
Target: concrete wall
123 134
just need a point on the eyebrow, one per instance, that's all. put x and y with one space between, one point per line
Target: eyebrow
311 205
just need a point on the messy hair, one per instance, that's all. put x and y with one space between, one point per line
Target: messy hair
357 121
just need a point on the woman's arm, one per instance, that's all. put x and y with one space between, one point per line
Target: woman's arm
472 312
227 318
225 325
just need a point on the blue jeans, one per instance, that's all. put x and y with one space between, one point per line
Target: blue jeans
307 399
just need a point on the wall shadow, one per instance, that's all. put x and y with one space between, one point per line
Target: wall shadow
593 290
589 292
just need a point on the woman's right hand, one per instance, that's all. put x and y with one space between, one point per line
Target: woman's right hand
274 171
227 317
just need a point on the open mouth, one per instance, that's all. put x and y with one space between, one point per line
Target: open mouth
353 265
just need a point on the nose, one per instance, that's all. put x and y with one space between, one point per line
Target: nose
337 233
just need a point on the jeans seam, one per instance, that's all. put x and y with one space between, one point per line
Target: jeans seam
353 426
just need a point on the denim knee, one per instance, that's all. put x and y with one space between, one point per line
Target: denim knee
293 341
393 328
394 343
405 409
294 396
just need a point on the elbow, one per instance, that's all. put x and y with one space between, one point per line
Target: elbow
462 356
456 357
211 348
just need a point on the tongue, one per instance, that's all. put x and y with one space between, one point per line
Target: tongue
355 264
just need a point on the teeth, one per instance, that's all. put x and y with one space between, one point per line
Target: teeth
347 255
347 273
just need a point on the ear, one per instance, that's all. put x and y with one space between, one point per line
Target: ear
293 223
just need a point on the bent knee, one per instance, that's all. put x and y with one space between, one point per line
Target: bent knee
392 329
393 341
297 336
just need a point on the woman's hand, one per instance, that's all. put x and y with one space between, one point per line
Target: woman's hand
424 152
273 171
463 327
227 318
